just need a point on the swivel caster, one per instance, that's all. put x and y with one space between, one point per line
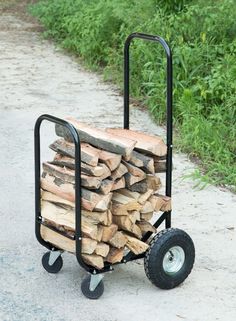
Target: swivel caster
52 261
92 286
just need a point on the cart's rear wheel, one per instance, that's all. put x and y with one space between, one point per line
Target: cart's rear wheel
170 258
52 268
85 288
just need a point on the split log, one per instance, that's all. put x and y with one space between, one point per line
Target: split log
109 218
118 240
129 194
131 179
118 184
160 166
105 187
140 187
146 216
134 216
65 161
118 209
111 160
159 158
125 223
58 187
102 249
106 173
119 172
48 196
144 197
147 208
146 227
144 142
160 202
60 228
93 260
134 174
66 218
109 232
153 182
99 233
104 218
90 200
135 171
57 239
88 245
126 203
58 214
99 138
102 205
115 255
68 176
122 209
88 155
136 231
134 245
143 161
96 217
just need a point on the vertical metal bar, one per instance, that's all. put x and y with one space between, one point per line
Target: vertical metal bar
78 238
169 134
126 84
37 164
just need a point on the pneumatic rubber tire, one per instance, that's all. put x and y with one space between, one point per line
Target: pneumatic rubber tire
157 270
57 265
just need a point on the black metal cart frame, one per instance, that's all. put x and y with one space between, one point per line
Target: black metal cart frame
166 216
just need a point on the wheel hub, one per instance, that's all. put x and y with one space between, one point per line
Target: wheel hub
173 260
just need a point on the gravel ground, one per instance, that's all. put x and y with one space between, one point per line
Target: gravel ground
38 78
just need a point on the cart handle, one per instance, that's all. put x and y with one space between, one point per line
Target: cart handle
37 163
169 132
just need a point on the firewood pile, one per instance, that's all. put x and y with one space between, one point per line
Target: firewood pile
119 191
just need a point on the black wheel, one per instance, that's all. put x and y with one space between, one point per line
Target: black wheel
55 267
170 258
91 294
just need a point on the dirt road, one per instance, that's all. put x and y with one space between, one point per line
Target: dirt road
36 78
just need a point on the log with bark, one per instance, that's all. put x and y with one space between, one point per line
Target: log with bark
99 138
146 143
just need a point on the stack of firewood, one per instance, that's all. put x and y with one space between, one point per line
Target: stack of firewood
119 191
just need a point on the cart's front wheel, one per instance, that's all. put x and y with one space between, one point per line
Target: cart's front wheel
170 258
55 267
86 288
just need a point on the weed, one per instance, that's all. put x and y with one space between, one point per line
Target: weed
203 37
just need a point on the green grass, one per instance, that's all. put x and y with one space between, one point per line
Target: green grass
203 37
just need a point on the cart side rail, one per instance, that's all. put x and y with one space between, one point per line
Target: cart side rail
169 101
37 159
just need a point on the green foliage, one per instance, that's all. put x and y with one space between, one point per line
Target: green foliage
203 37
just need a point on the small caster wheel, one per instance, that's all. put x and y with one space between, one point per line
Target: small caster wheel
52 268
170 258
85 288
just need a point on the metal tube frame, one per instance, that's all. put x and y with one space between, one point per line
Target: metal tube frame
37 157
166 216
169 118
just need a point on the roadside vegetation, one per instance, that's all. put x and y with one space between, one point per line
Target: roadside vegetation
202 35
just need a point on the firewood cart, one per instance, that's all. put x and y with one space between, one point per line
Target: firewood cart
170 256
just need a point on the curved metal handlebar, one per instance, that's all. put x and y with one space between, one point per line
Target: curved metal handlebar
169 85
